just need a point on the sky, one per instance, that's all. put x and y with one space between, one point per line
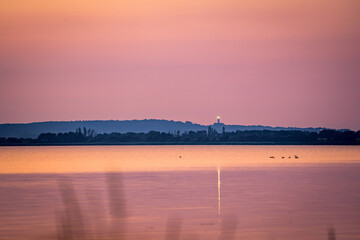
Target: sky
269 62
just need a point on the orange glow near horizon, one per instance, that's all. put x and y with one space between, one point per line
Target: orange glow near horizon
87 159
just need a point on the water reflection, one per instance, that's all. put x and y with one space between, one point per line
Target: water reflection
76 221
222 203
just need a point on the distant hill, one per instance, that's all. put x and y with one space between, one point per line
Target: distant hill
32 130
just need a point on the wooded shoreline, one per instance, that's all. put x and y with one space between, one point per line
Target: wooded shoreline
211 137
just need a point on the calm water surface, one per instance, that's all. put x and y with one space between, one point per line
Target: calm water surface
180 192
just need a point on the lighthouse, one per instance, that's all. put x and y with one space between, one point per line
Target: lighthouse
218 126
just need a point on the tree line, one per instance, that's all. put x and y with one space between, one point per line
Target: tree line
88 136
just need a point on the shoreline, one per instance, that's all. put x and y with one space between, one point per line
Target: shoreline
183 143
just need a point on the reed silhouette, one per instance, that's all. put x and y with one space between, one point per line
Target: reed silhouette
117 204
173 228
73 224
70 221
116 195
331 233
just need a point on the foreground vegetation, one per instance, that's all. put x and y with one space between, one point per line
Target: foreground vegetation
88 137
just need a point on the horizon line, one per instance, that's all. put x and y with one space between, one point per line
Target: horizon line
158 119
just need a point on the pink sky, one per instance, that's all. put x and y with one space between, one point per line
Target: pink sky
269 62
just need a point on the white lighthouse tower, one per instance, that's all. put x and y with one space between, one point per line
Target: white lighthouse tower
218 126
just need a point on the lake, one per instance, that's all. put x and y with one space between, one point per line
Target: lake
180 192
